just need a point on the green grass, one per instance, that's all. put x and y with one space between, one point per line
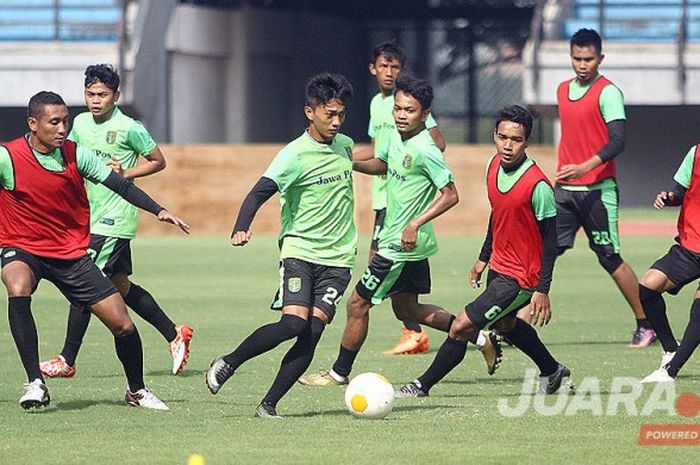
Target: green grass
224 293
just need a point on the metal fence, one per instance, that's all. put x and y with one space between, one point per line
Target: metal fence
63 20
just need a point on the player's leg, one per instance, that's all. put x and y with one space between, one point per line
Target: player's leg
690 341
297 295
21 273
601 227
329 286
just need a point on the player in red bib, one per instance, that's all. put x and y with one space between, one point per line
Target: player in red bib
680 266
44 233
592 115
520 249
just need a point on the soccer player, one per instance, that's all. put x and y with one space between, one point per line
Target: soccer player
680 266
388 61
592 114
119 141
318 241
415 170
45 216
519 249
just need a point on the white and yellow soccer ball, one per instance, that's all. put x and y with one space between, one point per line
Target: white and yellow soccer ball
369 395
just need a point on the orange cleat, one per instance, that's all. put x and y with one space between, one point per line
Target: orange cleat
411 342
57 368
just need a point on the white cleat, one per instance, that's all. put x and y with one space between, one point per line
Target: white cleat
666 358
144 398
36 395
180 347
659 375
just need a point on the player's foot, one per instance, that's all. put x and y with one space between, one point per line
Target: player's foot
642 337
666 358
323 378
412 389
218 373
36 395
57 368
501 338
180 347
410 342
492 352
144 398
660 375
557 380
267 411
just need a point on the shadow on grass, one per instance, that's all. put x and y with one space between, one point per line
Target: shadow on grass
84 404
166 373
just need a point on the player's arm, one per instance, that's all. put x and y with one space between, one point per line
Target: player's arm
366 153
447 199
258 195
682 178
484 257
93 169
438 138
544 208
155 162
672 198
372 166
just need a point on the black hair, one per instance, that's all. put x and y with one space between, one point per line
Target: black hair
516 114
102 73
40 100
391 51
417 88
324 87
585 37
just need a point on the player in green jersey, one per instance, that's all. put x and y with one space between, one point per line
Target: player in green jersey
387 62
416 171
119 141
313 175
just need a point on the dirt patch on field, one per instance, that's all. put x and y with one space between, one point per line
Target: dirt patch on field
206 185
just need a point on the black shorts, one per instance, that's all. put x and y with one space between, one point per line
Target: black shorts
595 211
680 265
112 255
379 216
311 285
79 280
384 278
502 296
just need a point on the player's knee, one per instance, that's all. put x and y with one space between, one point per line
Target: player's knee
122 328
505 325
18 288
461 326
293 325
647 295
357 307
609 262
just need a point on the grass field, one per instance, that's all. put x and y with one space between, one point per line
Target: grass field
224 294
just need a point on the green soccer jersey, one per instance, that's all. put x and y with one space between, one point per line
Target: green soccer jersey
125 139
89 165
685 171
316 193
416 170
381 127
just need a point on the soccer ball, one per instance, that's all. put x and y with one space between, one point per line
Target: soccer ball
369 395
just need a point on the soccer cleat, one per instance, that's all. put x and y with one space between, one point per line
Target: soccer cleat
36 395
642 337
666 358
57 368
323 378
410 342
492 352
267 411
412 389
144 398
660 375
218 373
180 347
552 383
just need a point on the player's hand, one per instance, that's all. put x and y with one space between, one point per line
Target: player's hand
167 217
540 309
409 237
660 201
116 166
571 172
475 273
240 238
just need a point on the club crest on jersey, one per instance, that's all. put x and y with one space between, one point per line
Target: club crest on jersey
407 161
111 137
294 285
